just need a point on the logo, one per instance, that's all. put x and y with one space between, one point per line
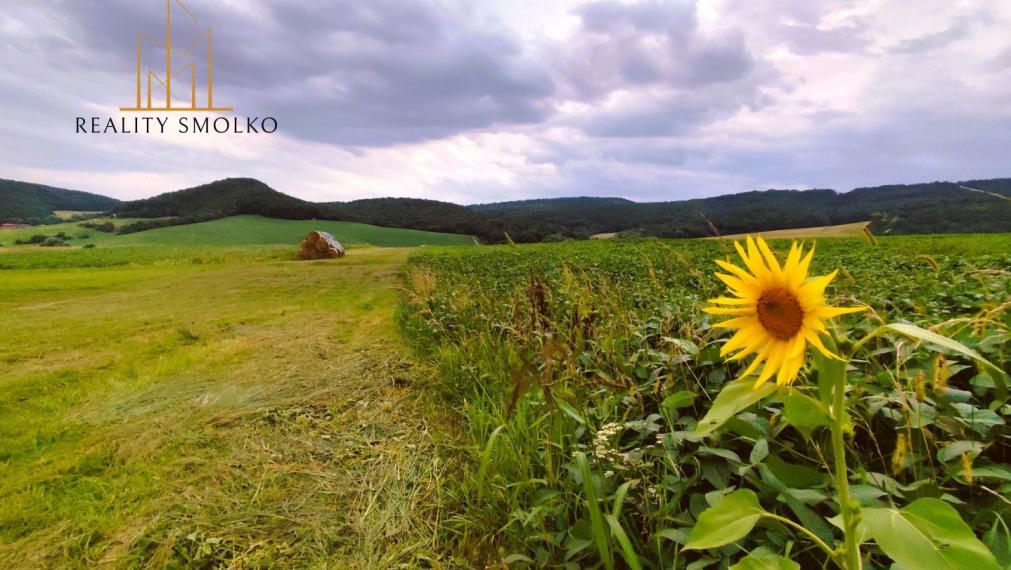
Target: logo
182 90
172 73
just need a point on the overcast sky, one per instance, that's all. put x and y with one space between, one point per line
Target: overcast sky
478 101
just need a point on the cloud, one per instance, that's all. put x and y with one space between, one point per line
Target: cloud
477 101
340 71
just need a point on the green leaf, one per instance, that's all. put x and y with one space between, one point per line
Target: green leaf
687 346
998 540
729 520
759 452
827 368
569 410
678 400
619 498
992 472
599 532
763 558
955 449
627 550
927 533
675 535
794 475
916 332
805 413
735 397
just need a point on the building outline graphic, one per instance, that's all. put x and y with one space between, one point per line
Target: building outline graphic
170 73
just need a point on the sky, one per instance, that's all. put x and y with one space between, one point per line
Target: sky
480 101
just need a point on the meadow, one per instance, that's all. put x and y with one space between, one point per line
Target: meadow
606 429
211 407
236 231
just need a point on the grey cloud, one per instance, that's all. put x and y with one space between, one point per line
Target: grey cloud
686 78
938 40
346 72
649 43
807 39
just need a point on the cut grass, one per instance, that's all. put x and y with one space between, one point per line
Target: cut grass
241 230
230 413
844 230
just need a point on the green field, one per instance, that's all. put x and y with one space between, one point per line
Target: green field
586 374
196 401
210 407
241 230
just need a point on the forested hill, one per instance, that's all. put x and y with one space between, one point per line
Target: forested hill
936 207
23 202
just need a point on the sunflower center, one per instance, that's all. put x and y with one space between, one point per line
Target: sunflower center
780 313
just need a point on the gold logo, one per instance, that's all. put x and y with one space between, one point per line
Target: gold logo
188 64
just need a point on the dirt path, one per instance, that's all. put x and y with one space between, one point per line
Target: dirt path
238 415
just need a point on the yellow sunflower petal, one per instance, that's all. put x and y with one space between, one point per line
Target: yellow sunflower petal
812 337
737 271
817 285
762 356
776 356
831 312
754 264
734 283
729 301
735 323
728 311
789 373
770 258
744 338
805 264
792 259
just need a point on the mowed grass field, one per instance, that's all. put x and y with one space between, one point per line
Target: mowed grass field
240 230
844 230
210 407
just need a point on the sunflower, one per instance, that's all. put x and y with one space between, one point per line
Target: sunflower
776 310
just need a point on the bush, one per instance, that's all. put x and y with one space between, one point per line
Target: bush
106 227
54 242
34 240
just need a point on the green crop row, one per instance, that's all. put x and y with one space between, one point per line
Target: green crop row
582 370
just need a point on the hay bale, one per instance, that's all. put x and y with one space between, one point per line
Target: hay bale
320 245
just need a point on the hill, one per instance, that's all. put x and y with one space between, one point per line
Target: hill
23 202
229 197
547 204
935 207
237 230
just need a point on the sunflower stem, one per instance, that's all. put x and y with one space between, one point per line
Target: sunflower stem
849 509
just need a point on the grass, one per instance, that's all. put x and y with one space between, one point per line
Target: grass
843 230
242 410
241 231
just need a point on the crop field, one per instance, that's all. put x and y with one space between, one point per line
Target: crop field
607 430
236 231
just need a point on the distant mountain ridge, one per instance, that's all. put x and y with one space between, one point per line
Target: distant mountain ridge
936 207
33 203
